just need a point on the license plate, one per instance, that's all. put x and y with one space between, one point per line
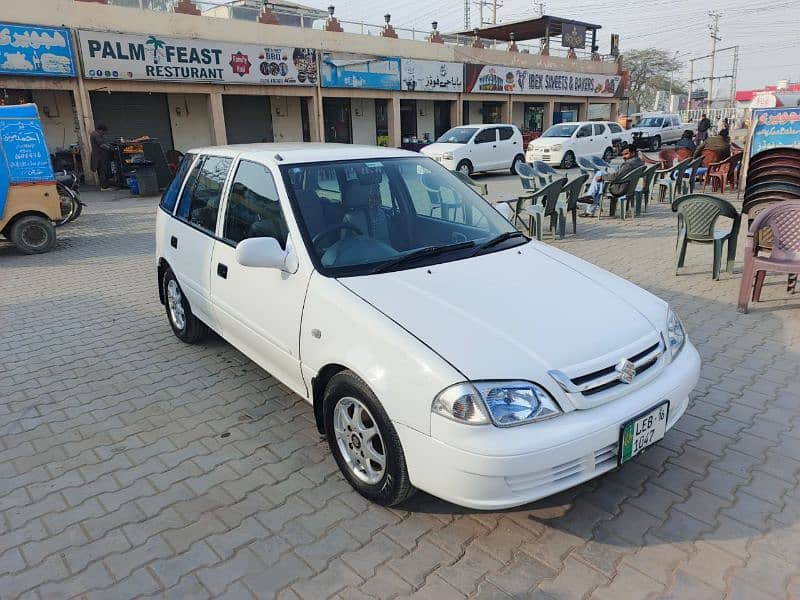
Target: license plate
643 431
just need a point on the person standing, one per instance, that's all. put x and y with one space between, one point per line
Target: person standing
703 125
100 155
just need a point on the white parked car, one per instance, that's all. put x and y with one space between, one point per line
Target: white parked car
561 144
393 298
472 148
654 130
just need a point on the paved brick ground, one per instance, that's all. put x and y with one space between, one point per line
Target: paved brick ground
133 465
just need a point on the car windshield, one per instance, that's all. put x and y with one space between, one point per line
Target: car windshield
561 131
457 135
360 217
651 122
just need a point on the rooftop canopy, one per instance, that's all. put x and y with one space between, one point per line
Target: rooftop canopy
532 29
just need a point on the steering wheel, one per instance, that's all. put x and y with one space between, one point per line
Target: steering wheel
322 234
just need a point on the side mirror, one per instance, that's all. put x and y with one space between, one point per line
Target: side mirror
261 252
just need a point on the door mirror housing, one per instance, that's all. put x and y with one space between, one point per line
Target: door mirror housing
265 252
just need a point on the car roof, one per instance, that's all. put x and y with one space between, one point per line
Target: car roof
303 152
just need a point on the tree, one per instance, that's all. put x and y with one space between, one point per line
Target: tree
650 71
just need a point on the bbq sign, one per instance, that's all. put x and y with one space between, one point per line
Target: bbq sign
154 58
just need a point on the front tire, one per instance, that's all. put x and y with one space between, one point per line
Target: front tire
465 167
364 442
608 155
568 162
33 234
517 159
185 325
655 143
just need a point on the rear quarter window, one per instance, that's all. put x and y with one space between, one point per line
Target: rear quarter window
170 197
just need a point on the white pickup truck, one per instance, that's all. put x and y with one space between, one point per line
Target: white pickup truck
654 130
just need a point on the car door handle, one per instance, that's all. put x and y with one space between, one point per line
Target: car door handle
173 241
494 145
222 270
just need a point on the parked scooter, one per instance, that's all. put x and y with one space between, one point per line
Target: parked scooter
68 196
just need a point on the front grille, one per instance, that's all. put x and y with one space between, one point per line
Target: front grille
566 474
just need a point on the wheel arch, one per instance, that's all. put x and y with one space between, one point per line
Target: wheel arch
163 265
318 385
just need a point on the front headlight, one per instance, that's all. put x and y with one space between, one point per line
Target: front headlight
555 148
531 146
505 403
676 336
447 156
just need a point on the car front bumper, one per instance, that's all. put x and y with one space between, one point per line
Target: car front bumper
447 163
546 156
471 468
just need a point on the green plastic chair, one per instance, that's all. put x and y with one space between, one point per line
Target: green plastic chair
626 200
668 182
697 218
548 195
481 188
648 176
569 203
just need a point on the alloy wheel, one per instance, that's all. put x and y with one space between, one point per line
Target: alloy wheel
359 440
175 304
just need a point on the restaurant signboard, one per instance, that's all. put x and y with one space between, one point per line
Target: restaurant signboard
431 76
344 70
775 128
514 80
152 58
37 51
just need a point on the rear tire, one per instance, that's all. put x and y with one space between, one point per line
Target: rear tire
185 325
465 167
568 162
364 442
655 143
517 159
33 234
608 155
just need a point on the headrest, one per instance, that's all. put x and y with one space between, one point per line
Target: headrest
355 195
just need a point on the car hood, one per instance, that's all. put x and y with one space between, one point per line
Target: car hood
515 313
441 148
645 129
543 142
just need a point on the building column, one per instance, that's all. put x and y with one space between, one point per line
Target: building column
614 111
314 128
549 109
456 112
83 108
395 133
216 117
583 111
509 109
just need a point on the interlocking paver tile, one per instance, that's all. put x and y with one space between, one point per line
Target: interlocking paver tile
111 453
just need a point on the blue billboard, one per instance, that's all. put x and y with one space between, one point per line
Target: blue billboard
23 150
340 70
36 51
775 128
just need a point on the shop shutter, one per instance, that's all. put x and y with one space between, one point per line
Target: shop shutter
134 114
247 119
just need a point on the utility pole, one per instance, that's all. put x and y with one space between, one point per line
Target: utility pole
494 12
734 75
691 82
540 6
714 39
467 4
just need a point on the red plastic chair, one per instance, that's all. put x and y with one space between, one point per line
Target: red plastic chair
784 221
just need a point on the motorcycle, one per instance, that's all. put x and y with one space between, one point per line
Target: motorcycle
68 197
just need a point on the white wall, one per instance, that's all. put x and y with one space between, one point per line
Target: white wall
188 116
425 121
61 127
517 113
362 114
287 121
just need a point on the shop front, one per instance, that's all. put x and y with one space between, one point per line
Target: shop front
37 65
368 116
428 105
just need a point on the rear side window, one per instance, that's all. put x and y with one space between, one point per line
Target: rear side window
253 206
170 197
599 129
199 203
506 133
614 128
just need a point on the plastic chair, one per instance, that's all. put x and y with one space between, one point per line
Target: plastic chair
624 200
544 170
601 164
722 173
529 177
691 172
670 178
586 166
572 192
648 175
783 220
481 188
535 212
697 218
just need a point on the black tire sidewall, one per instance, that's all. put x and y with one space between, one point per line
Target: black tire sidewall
193 329
568 164
467 164
517 159
15 234
394 487
610 153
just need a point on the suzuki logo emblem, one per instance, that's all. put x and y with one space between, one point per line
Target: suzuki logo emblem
626 370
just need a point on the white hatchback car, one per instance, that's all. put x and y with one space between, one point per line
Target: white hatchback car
471 148
561 144
384 291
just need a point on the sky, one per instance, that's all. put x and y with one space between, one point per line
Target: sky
765 31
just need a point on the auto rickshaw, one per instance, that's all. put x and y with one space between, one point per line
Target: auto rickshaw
29 201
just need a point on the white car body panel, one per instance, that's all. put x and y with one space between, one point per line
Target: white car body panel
487 156
542 148
511 314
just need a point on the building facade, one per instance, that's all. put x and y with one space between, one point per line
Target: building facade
191 80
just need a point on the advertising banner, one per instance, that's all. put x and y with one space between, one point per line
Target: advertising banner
23 151
431 76
513 80
775 128
150 58
341 70
38 51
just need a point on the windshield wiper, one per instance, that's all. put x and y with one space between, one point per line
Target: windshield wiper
421 253
498 239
